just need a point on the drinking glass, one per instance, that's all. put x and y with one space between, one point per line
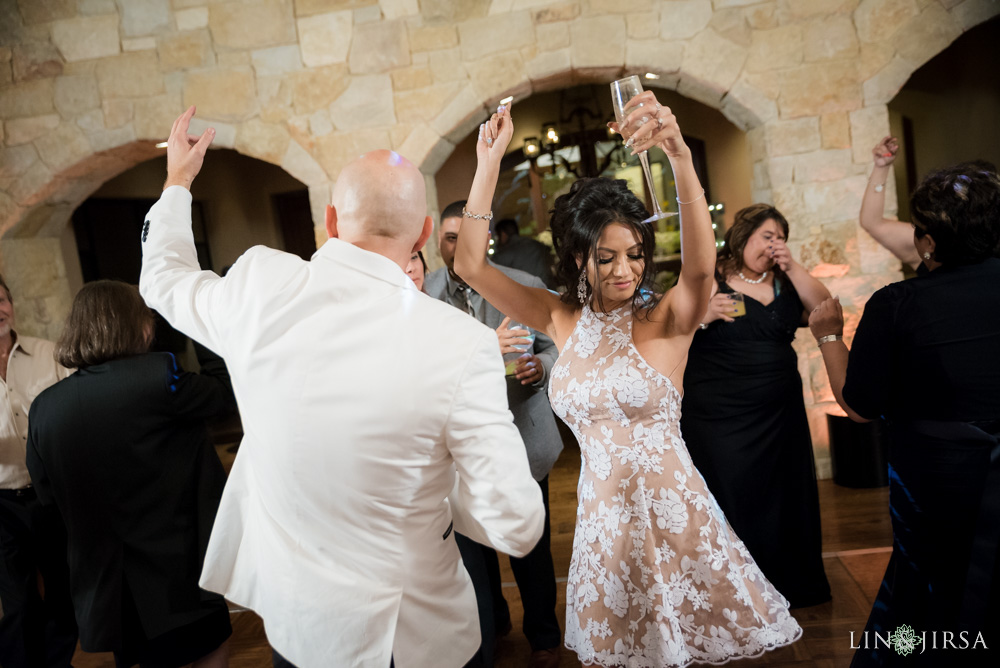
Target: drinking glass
622 91
510 359
740 305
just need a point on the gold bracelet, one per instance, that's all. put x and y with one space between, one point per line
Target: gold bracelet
478 216
692 201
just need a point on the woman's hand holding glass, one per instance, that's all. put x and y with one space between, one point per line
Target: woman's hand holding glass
494 136
650 124
722 306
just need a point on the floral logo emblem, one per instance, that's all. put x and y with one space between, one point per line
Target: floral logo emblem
904 640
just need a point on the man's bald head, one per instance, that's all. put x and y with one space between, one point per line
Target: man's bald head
381 194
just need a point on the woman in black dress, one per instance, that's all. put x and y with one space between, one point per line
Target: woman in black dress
120 447
925 359
743 416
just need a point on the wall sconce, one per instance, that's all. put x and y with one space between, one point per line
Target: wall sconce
531 147
550 135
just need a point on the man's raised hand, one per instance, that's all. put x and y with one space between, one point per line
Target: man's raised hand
185 152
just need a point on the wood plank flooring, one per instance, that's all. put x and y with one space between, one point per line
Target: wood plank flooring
856 541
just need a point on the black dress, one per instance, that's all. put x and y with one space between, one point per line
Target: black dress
926 359
744 422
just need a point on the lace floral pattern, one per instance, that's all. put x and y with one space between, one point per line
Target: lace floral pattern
657 576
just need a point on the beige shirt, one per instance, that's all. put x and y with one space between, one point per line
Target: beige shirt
31 368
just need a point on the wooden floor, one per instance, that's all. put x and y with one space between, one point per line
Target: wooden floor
856 543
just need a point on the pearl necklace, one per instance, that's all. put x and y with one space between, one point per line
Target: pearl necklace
756 282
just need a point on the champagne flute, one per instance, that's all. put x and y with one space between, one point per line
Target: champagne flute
622 91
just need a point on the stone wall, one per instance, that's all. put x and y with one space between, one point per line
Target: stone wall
88 86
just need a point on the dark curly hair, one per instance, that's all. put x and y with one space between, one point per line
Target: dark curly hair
959 207
745 223
579 217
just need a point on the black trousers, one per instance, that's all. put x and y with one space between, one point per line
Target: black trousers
536 580
279 661
35 631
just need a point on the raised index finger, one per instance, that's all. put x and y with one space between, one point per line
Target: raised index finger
182 123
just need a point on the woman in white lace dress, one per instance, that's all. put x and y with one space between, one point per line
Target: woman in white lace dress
657 576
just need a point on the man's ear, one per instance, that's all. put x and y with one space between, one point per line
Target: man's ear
331 221
425 234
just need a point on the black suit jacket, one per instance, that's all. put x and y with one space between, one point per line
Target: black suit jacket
121 449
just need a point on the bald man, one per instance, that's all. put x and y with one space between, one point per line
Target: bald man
363 452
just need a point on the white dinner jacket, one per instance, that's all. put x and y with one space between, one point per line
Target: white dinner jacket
361 397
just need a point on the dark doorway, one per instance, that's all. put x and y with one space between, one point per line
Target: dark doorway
295 221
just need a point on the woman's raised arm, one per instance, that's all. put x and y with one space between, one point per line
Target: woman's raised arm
530 306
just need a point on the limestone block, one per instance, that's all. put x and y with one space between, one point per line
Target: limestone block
301 165
437 12
748 106
225 133
757 140
337 149
191 19
684 18
762 16
86 37
774 49
424 104
116 112
232 58
184 50
835 130
732 24
723 4
548 64
144 17
31 98
823 165
460 116
926 35
15 160
797 9
75 93
551 36
872 58
25 130
276 61
834 200
318 88
484 37
35 60
310 7
252 24
971 13
947 4
878 20
64 146
109 139
154 116
325 39
412 77
761 176
6 75
642 25
557 13
430 38
868 126
819 89
447 65
138 43
617 7
830 38
426 149
223 94
275 97
320 123
780 170
397 9
881 88
43 11
800 135
94 7
398 134
265 141
653 55
714 60
367 103
787 199
598 41
130 75
500 75
370 14
379 47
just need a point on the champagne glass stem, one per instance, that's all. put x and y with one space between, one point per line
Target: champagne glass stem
644 159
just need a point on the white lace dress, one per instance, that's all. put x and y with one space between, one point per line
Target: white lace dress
657 577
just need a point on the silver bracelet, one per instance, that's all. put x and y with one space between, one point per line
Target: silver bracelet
702 326
692 201
478 216
829 338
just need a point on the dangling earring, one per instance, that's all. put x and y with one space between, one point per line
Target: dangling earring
927 255
581 287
